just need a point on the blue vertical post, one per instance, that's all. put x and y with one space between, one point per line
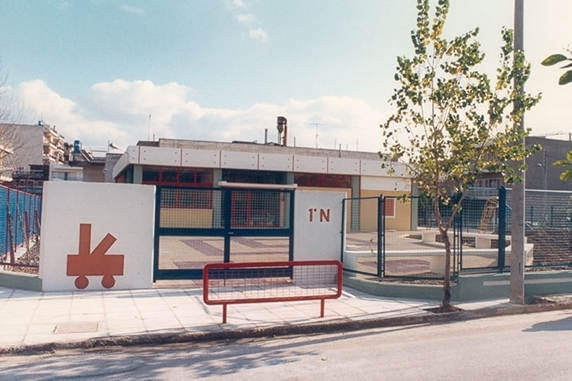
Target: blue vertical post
458 242
291 195
380 235
343 240
227 197
502 229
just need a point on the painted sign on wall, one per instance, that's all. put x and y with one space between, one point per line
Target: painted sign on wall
96 262
96 236
317 225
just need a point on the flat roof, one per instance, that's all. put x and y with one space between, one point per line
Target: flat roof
259 148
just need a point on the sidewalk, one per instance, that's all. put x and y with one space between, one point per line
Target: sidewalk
43 321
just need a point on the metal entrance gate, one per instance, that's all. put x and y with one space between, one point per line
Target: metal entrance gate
196 226
371 247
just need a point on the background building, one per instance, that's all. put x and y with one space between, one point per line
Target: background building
541 173
33 149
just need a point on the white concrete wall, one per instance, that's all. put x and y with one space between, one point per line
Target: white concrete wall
124 211
239 160
160 156
385 183
317 232
310 164
316 237
278 161
275 162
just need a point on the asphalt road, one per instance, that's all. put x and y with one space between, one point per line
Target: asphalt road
518 347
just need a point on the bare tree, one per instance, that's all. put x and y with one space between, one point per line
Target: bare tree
11 113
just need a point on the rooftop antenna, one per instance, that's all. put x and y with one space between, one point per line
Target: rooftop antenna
316 126
149 128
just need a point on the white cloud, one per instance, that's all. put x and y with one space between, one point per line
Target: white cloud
137 97
44 100
119 111
132 9
246 18
68 117
239 3
258 34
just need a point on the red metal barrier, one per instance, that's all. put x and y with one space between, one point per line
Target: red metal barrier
260 282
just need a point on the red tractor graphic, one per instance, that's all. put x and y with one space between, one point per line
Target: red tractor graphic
94 263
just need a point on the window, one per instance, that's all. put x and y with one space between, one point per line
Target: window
169 175
323 180
70 176
204 177
151 175
187 176
253 177
489 183
177 176
389 207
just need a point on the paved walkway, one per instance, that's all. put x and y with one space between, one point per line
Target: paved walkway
67 319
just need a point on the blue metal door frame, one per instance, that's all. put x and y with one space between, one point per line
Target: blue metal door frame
226 227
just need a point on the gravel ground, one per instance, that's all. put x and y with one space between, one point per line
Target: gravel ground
30 260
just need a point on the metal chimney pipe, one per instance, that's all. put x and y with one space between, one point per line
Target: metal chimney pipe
282 128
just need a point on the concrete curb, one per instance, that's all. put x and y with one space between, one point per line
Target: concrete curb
341 325
20 281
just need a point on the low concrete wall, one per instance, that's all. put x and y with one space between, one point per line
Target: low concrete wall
20 281
395 290
536 283
471 287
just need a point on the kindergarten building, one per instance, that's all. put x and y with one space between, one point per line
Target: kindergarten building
189 203
190 163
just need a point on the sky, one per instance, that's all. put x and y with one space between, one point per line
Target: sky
120 71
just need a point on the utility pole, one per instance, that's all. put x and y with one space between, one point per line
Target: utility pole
518 255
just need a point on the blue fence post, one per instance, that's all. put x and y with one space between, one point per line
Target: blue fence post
380 236
342 244
502 229
17 208
3 231
458 242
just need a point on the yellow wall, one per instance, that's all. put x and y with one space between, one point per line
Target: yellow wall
186 218
203 218
368 210
402 219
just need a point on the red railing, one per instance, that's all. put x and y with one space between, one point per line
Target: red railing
261 282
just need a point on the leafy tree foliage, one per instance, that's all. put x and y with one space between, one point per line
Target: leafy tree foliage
564 79
452 124
567 173
556 59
